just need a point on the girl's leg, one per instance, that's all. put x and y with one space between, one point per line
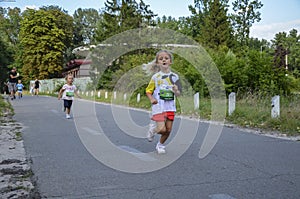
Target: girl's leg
160 127
68 110
166 134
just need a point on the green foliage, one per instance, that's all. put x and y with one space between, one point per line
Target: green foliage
246 13
119 16
44 36
85 26
216 31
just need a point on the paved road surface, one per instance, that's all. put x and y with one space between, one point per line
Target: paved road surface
241 165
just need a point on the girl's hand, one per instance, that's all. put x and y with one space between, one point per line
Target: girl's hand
176 90
153 101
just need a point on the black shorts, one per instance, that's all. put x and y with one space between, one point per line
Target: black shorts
68 103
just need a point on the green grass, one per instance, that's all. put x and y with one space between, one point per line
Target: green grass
4 106
256 112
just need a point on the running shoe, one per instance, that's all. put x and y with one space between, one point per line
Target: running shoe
68 116
160 148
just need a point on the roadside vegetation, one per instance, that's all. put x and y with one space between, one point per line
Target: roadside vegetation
39 43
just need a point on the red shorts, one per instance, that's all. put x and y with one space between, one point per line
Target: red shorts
161 117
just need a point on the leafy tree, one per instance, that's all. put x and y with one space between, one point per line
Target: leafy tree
119 16
216 31
196 19
246 13
85 23
63 22
43 38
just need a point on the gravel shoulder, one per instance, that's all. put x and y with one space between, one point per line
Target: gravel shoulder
16 177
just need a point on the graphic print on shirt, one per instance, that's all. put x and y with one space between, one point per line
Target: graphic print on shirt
69 92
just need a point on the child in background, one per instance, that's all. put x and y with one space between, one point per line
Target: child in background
67 93
161 91
20 87
31 88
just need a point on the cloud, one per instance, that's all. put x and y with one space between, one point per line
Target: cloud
268 31
30 7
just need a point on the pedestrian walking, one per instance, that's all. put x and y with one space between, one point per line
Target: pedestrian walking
36 87
162 89
67 93
12 81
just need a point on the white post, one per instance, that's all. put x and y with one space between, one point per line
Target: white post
115 95
87 93
82 93
275 112
231 103
106 95
92 93
196 101
99 94
125 97
138 99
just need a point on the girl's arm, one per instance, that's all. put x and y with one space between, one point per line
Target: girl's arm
151 98
60 93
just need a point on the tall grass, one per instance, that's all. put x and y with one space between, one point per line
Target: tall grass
255 111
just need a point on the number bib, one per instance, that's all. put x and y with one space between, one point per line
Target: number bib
165 93
70 94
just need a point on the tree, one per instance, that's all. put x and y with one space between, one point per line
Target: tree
196 19
287 45
246 13
85 24
43 43
216 29
119 16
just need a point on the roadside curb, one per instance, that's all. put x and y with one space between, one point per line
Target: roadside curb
16 176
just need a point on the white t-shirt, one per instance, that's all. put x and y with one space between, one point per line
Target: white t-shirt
69 91
161 82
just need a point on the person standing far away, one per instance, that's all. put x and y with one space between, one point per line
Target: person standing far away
36 87
67 93
20 87
12 81
161 92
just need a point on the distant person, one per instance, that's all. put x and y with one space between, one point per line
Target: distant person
67 93
12 81
36 87
20 87
31 88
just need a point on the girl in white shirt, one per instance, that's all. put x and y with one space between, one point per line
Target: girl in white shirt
161 91
67 93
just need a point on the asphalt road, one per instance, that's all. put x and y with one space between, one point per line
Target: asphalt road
241 165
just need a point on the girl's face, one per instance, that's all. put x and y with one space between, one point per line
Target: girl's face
164 60
70 79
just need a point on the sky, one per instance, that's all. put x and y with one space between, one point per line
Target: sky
277 15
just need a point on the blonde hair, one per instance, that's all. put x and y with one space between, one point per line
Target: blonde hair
68 75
